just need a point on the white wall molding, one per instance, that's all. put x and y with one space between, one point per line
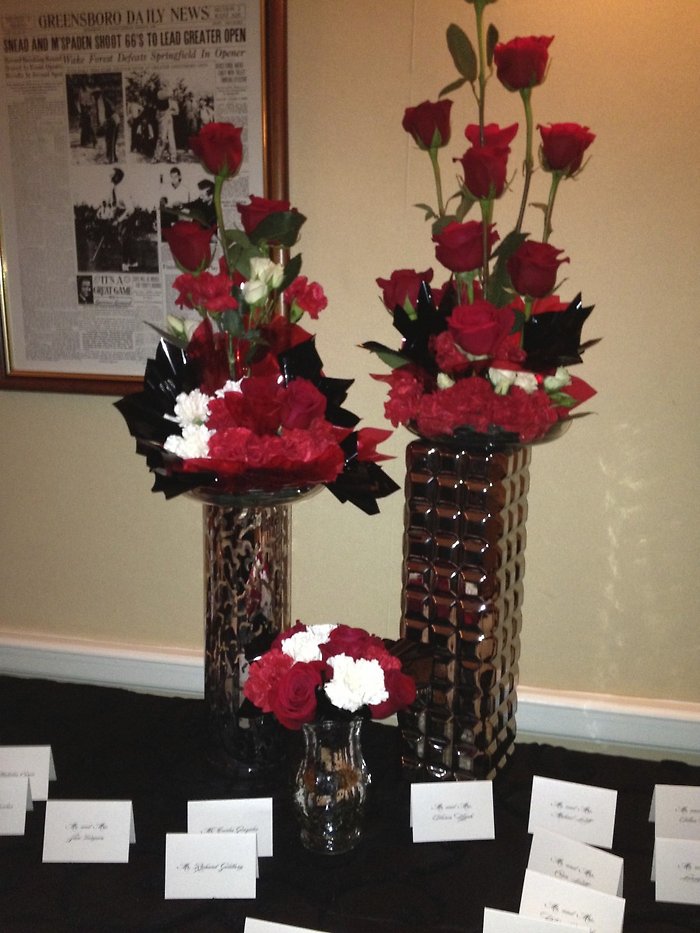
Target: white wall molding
552 715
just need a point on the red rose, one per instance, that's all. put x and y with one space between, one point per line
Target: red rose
301 404
479 328
533 268
521 63
429 123
259 208
190 244
208 352
219 148
402 692
460 248
403 286
306 296
494 135
563 146
263 677
484 170
294 700
353 642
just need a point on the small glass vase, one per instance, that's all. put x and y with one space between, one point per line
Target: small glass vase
331 786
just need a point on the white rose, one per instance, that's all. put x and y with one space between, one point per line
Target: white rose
526 381
501 380
560 379
444 381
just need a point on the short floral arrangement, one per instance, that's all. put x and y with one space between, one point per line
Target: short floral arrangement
236 400
320 672
488 351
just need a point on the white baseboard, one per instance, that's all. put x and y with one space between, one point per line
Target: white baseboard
559 717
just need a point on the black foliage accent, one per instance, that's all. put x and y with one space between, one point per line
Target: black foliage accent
428 322
361 482
553 338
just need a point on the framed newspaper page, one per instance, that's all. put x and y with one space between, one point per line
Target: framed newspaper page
98 99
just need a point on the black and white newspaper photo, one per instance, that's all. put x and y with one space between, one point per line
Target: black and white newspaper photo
98 101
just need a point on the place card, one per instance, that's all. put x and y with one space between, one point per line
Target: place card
88 830
210 865
32 761
570 860
248 815
500 921
578 811
675 808
267 926
459 810
678 870
15 800
563 902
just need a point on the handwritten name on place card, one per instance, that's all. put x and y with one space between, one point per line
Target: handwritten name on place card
32 761
678 870
578 811
88 830
15 800
570 860
676 811
210 865
250 814
457 811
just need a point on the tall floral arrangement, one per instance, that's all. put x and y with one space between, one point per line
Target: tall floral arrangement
487 351
236 400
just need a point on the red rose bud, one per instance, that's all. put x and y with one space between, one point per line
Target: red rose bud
563 147
190 244
494 135
402 287
219 148
429 123
259 208
522 62
460 248
484 170
533 268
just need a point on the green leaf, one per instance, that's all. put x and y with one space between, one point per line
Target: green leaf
180 342
455 86
491 41
429 212
281 228
462 52
392 358
291 271
231 323
499 290
562 399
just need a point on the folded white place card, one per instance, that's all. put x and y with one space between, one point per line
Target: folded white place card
500 921
563 902
233 816
456 811
267 926
578 811
32 761
675 808
210 865
15 800
88 830
570 860
678 870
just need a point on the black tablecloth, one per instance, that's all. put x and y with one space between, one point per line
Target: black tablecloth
114 744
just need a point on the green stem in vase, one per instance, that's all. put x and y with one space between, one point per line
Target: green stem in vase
525 93
438 180
556 178
479 10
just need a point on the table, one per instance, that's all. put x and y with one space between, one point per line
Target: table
116 744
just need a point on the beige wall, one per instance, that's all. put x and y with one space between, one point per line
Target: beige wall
87 552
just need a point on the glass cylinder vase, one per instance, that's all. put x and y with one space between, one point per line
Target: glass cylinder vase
331 786
246 606
464 563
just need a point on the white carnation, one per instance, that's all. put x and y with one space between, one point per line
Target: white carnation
194 442
501 380
228 386
355 683
191 408
305 646
526 381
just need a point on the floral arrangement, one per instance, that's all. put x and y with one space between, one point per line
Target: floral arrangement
487 351
316 672
236 400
